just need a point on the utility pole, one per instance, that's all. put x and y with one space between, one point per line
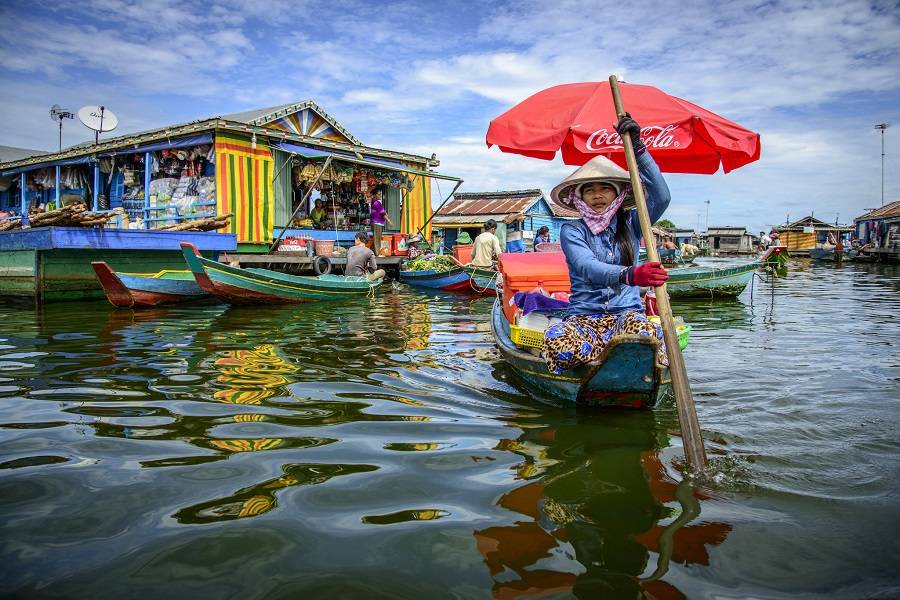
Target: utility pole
882 127
707 216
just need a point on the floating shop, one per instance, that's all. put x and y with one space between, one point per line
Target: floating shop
807 233
879 231
518 213
260 172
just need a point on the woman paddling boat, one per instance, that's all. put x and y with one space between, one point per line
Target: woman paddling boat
600 251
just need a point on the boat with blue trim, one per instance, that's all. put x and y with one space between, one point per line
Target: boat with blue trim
129 290
453 280
262 286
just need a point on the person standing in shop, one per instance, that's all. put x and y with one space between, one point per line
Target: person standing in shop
379 217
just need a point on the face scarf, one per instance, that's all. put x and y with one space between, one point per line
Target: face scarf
595 221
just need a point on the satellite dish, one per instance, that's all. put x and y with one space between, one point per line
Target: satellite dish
98 118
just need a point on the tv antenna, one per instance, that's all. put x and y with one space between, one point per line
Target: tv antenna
58 114
98 118
882 127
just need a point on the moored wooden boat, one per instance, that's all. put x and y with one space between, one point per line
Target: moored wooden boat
262 286
828 255
454 280
776 256
669 257
133 289
710 282
626 375
482 281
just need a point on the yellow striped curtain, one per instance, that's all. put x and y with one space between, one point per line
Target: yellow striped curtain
417 207
244 187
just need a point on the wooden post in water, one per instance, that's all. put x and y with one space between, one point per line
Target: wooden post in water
684 400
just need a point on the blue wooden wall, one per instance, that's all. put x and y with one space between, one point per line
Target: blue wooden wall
539 215
535 217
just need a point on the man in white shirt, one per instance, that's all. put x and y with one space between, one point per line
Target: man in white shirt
487 246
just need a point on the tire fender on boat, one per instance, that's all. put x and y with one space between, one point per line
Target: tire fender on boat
321 265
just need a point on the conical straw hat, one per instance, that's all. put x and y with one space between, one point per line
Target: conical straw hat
598 168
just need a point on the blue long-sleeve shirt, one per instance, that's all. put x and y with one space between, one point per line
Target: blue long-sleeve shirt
595 261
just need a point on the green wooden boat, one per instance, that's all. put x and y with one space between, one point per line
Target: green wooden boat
626 375
482 281
710 282
262 286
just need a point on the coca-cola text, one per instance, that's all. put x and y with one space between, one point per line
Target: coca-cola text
653 136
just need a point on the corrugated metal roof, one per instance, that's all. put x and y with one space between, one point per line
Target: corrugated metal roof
491 203
456 220
248 116
135 139
562 211
885 212
809 221
11 153
727 230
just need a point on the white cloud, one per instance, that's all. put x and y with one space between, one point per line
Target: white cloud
812 77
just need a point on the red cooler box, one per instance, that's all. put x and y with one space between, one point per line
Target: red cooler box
524 271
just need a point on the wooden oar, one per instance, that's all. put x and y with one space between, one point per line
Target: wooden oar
684 400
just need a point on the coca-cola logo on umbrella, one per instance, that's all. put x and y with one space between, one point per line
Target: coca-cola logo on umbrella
653 136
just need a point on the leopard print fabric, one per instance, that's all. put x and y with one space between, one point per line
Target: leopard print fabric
583 338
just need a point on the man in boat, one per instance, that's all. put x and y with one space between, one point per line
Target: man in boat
601 250
361 260
487 247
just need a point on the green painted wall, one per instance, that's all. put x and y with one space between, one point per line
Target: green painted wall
284 192
67 274
17 273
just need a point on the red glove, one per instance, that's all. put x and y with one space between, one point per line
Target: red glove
649 274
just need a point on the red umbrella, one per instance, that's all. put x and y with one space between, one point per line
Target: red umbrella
578 119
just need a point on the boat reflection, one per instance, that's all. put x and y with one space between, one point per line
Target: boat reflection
252 376
591 516
261 498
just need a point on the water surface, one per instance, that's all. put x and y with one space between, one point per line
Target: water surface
381 449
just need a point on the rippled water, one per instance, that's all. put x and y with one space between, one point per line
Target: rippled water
382 449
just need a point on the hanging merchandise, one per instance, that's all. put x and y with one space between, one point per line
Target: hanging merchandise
309 173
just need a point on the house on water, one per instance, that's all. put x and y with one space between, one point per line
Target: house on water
730 240
265 167
807 233
518 213
880 228
685 236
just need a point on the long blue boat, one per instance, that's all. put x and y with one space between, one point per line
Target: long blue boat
129 290
626 375
454 280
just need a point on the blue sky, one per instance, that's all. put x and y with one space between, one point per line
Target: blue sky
812 77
